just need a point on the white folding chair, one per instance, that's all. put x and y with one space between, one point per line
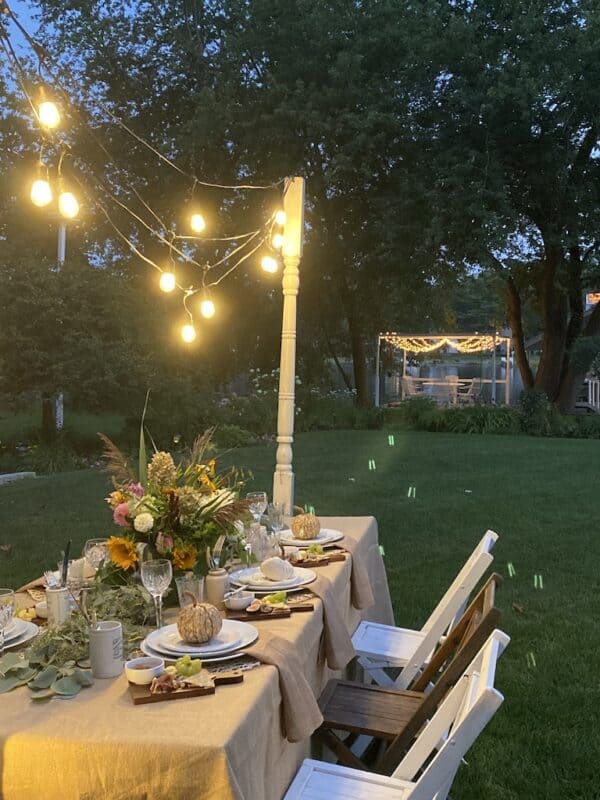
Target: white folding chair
454 727
379 647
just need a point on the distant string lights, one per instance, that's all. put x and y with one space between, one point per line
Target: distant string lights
52 187
428 344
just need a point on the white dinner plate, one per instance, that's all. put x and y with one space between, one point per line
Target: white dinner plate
247 577
16 629
227 639
30 631
245 634
150 651
325 537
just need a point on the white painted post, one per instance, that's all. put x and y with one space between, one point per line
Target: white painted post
507 375
59 399
283 478
377 358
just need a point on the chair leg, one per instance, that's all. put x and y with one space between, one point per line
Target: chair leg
344 755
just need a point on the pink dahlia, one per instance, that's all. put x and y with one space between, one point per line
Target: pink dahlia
121 515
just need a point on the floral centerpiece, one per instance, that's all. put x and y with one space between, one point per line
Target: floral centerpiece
170 510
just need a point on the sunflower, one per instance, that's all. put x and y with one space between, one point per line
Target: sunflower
184 557
122 552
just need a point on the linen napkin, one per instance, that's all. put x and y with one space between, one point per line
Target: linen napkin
338 644
360 585
300 712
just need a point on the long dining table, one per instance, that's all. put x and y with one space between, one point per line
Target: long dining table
226 746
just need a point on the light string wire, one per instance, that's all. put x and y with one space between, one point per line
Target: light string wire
44 55
190 291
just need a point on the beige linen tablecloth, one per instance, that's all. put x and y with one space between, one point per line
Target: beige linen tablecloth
99 746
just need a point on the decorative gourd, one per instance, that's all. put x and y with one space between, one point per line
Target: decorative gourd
305 526
199 622
276 569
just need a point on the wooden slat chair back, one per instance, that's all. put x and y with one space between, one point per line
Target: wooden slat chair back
447 665
458 721
381 646
465 711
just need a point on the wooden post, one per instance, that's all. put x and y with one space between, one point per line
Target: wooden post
293 205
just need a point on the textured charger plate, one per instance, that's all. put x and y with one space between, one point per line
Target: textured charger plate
326 537
302 578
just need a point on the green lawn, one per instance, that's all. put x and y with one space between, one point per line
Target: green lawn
541 495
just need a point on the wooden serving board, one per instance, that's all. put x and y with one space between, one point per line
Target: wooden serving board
277 613
142 694
320 561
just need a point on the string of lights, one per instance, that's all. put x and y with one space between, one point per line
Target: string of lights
46 113
428 344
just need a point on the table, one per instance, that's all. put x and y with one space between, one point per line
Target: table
227 746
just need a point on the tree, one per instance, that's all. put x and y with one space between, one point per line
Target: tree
266 89
509 126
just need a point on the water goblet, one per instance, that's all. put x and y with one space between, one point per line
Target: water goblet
156 577
95 551
7 612
257 504
275 513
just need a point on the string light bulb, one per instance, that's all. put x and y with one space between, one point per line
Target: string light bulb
167 282
198 223
41 193
269 264
277 241
207 308
48 114
68 205
280 217
188 333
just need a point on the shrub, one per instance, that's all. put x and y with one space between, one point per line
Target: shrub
227 436
539 417
481 419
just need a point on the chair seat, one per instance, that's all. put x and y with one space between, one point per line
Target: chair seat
368 710
385 642
316 780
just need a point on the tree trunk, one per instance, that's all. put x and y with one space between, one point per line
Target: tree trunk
515 321
554 316
359 362
573 377
48 418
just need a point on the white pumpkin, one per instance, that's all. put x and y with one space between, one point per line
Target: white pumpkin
305 526
198 622
276 569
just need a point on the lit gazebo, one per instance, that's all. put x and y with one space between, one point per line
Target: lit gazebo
466 343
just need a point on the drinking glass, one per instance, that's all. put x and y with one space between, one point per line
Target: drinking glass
96 552
7 612
156 577
187 585
275 515
257 504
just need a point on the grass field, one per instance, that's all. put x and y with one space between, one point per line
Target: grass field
540 495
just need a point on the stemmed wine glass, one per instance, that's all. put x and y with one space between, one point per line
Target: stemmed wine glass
156 577
7 612
257 504
95 551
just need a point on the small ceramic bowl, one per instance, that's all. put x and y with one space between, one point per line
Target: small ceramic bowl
41 609
239 601
143 670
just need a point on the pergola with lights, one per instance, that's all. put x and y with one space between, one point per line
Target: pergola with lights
460 342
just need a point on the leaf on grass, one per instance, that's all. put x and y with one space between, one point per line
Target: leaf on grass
45 678
66 686
519 609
